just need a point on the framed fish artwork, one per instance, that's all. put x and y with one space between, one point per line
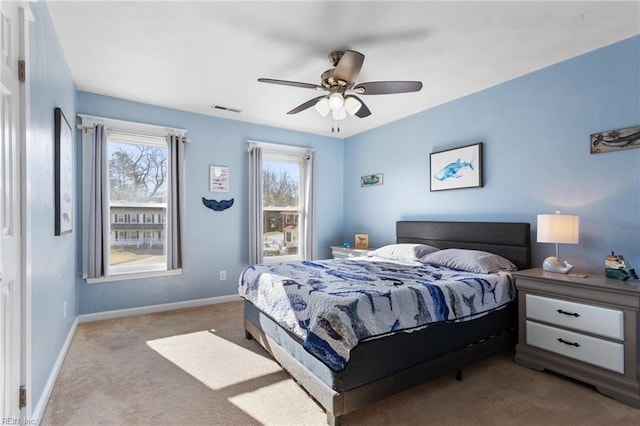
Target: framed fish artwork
615 140
456 168
371 180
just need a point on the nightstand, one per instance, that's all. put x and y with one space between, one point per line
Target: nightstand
584 328
341 252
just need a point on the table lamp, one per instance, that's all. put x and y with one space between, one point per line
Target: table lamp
559 229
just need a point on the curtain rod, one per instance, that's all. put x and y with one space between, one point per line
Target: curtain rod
128 133
278 146
123 125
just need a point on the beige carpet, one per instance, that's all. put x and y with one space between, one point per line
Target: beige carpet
194 366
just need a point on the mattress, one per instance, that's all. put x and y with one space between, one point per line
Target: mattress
333 307
379 358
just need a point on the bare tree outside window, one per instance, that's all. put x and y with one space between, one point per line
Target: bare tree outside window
281 206
138 194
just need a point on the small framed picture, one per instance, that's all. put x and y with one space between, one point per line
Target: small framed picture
371 180
362 241
218 179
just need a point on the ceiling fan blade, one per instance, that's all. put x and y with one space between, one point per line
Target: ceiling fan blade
308 104
348 68
364 110
289 83
388 87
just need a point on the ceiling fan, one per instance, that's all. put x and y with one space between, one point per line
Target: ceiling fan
340 83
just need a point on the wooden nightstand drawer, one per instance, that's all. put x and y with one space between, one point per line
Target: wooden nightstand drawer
593 319
603 353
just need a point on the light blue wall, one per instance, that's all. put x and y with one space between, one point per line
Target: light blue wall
213 240
536 132
50 261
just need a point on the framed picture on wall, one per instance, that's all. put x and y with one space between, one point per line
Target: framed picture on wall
218 179
63 174
456 168
371 180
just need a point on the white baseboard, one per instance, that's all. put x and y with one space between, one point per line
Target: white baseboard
121 313
38 411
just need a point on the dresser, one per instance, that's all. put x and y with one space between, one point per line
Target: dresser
341 252
582 327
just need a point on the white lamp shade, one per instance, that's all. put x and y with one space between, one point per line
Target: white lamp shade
352 105
336 101
340 114
322 106
558 228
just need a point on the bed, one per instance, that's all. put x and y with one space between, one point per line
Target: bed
346 365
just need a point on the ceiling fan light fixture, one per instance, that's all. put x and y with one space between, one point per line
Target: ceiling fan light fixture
352 105
340 114
336 101
322 106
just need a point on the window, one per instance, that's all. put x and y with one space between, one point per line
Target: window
282 211
281 196
132 199
137 170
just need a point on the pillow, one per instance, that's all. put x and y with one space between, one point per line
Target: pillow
470 260
403 252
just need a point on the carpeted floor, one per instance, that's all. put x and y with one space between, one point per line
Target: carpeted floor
194 366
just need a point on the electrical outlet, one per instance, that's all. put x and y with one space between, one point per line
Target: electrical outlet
223 275
64 309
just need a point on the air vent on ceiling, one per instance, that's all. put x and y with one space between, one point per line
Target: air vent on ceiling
224 108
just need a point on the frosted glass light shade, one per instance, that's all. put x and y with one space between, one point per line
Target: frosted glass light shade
322 106
558 228
340 114
336 101
352 105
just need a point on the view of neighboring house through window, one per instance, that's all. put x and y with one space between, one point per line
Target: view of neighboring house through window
282 206
137 170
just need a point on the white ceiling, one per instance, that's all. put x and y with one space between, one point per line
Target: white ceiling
190 55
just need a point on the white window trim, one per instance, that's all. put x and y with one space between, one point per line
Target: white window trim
118 126
287 153
132 276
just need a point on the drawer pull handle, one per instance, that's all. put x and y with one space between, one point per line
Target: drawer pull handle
572 314
561 340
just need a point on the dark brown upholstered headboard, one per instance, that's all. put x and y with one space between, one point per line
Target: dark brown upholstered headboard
510 240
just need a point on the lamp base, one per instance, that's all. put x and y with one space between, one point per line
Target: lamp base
553 264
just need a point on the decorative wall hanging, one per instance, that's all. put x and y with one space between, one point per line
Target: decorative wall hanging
456 168
218 179
63 174
371 180
615 140
217 205
362 241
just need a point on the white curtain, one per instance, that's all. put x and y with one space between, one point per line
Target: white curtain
98 205
255 205
175 201
309 248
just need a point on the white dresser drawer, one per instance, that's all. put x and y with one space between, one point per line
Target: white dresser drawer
341 252
593 319
603 353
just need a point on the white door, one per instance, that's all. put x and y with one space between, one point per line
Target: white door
10 280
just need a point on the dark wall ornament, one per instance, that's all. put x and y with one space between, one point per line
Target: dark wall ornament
615 140
217 205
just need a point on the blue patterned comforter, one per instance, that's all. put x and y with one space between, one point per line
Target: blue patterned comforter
334 304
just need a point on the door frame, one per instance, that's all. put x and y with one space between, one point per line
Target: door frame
25 17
